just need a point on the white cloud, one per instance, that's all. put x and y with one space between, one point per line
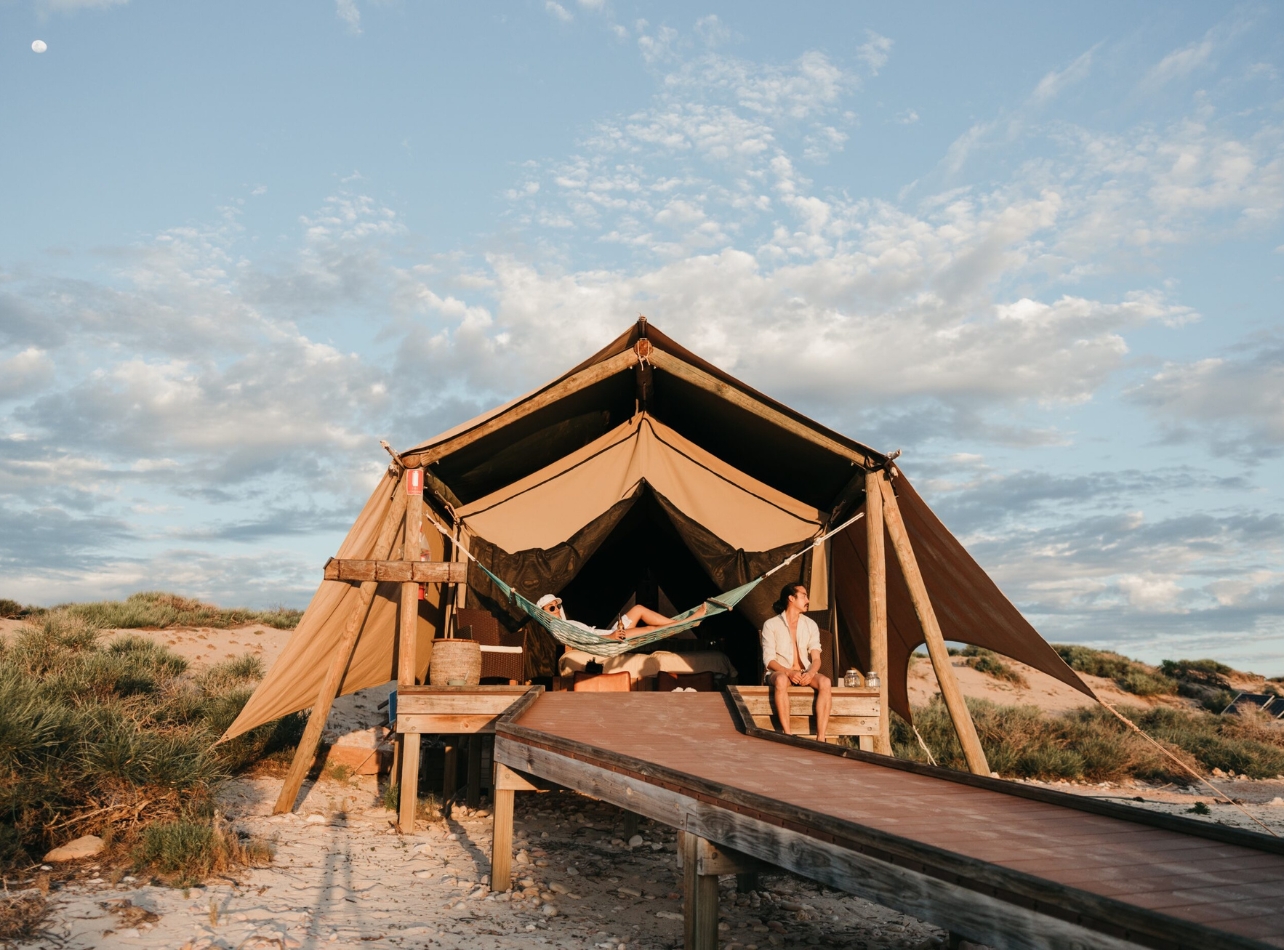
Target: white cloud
557 11
1234 402
1179 63
907 117
1054 83
25 373
347 11
593 4
712 30
874 52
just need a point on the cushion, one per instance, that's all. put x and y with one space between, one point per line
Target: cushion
619 682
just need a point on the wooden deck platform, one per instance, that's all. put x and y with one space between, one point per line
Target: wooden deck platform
1001 863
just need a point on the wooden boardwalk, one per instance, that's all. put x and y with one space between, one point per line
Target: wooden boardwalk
997 862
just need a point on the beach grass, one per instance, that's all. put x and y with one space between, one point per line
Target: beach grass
1092 745
157 610
116 737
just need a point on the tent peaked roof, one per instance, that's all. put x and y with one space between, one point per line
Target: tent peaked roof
646 441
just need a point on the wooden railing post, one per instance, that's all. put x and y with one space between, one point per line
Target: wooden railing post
307 750
877 558
950 691
409 637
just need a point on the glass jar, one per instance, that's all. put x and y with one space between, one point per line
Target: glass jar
852 679
872 680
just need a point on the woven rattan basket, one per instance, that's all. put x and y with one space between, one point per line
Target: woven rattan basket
455 663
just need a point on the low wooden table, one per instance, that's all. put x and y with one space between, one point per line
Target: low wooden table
451 711
854 711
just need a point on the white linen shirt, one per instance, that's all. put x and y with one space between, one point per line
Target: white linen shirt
776 642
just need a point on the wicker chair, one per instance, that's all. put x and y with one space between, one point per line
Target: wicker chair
506 659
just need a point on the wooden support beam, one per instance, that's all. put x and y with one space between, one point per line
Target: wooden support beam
699 897
501 840
702 380
950 691
630 824
473 795
409 744
403 572
877 565
330 686
581 380
408 637
449 774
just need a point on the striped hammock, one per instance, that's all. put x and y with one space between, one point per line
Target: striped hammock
598 645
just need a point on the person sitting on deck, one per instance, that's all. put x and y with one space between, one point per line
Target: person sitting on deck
786 639
634 622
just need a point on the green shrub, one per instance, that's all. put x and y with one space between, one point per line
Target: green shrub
987 661
1092 745
158 610
1130 675
189 850
107 737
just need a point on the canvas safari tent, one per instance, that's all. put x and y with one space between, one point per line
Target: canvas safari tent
644 469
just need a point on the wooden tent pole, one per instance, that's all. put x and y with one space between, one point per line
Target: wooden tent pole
877 558
950 691
307 749
407 666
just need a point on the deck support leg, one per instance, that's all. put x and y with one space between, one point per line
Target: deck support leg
449 778
630 825
748 882
333 682
507 784
950 691
501 842
473 798
409 782
699 899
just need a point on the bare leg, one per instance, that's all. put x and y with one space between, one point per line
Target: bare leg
639 629
824 700
645 616
780 700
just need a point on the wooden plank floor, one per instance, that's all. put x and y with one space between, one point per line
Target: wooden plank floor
1232 888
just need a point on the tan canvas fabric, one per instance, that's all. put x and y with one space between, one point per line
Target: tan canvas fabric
292 682
552 504
968 604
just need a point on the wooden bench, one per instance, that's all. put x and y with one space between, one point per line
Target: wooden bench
854 711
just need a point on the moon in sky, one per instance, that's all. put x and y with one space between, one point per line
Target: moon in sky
39 46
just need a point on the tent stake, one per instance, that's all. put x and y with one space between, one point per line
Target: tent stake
307 750
877 556
950 691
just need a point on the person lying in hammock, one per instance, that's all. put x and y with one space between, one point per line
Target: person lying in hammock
634 622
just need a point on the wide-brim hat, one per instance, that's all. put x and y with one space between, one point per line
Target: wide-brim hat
546 600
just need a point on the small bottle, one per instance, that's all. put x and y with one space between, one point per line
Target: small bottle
872 680
851 679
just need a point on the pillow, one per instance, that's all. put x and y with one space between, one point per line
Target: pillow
620 682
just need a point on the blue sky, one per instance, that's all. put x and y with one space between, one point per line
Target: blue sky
1038 249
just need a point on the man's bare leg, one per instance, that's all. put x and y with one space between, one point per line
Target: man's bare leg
824 700
780 700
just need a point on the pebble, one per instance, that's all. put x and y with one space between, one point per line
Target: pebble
637 841
549 910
